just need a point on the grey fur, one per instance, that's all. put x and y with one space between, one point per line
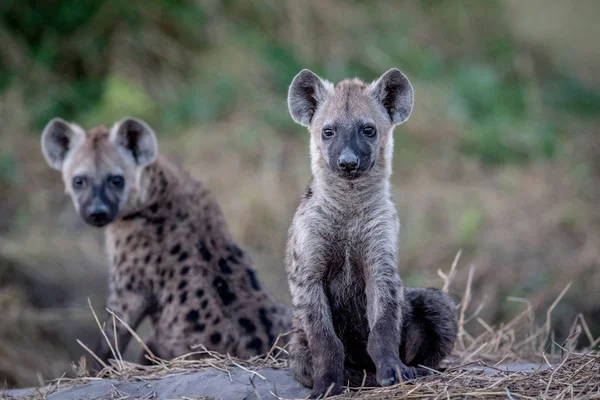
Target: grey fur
351 311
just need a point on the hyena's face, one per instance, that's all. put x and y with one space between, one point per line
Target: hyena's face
100 167
350 123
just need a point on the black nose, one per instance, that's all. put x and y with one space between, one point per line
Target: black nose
97 213
348 162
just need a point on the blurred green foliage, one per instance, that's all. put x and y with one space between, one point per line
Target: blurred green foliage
69 52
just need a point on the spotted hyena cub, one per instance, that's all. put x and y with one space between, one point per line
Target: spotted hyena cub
171 256
351 310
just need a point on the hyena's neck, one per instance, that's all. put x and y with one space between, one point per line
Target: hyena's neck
154 184
342 194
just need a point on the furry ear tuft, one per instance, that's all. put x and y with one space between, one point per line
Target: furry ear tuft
58 138
306 93
395 93
136 139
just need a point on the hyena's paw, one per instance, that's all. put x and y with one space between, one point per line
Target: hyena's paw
322 388
392 370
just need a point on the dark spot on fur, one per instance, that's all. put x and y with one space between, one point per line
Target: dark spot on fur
199 327
200 293
128 239
216 320
185 270
147 258
154 208
255 344
236 251
309 193
159 259
215 338
117 243
247 325
176 249
183 256
158 220
163 273
204 304
204 251
169 205
123 258
182 284
159 232
183 297
225 269
192 316
224 291
171 273
253 281
267 324
145 244
170 298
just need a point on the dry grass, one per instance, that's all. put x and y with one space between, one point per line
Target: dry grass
476 369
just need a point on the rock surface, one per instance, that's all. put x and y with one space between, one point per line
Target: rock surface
198 384
264 383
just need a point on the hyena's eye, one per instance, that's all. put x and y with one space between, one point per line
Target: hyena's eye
116 181
79 182
369 131
328 133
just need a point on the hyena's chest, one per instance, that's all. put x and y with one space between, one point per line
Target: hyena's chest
346 285
134 256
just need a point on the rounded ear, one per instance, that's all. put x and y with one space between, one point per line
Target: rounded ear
136 139
395 93
58 138
306 93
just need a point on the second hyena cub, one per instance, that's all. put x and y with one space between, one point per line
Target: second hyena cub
351 311
170 253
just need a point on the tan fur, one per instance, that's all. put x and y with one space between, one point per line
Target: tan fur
172 258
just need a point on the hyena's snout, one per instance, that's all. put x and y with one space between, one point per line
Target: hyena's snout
348 161
99 210
97 214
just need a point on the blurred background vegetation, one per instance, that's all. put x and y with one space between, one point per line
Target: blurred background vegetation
501 157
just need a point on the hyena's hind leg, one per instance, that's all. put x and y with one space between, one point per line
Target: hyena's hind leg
430 328
300 360
143 357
